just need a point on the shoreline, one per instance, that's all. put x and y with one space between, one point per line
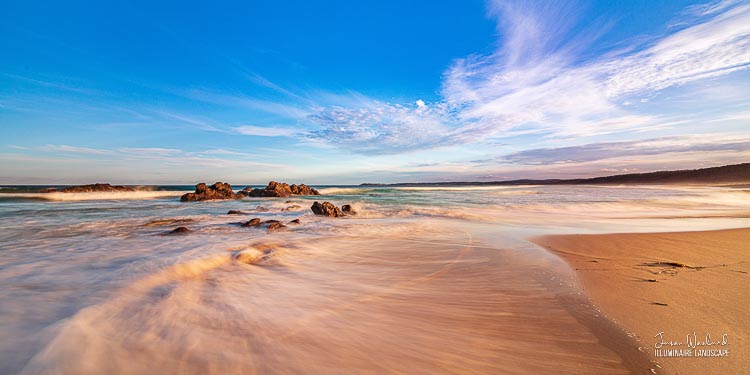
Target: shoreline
684 284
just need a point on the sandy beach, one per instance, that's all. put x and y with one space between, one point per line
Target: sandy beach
679 283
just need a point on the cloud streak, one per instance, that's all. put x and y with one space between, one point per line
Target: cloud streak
537 79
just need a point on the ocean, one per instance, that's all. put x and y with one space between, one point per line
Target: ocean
421 280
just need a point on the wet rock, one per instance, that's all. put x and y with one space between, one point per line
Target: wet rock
280 189
252 223
249 256
326 209
303 189
48 190
216 191
293 207
347 209
96 188
159 222
236 212
179 230
261 209
276 226
295 221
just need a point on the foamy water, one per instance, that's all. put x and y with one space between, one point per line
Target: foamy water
423 280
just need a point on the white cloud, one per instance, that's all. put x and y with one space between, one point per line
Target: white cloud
262 131
538 81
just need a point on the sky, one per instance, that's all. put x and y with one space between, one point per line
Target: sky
346 92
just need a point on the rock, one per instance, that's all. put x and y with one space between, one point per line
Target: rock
295 221
48 190
160 222
261 209
180 230
216 191
276 226
252 223
326 209
348 210
303 189
249 256
96 188
287 202
280 189
236 212
293 207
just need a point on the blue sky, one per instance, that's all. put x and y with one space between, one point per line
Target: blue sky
386 91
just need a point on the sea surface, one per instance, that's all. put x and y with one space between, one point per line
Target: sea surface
422 280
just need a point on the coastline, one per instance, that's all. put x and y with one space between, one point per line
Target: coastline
678 283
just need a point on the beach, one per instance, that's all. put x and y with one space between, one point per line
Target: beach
419 280
679 284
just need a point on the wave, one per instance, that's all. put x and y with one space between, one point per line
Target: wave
345 191
59 196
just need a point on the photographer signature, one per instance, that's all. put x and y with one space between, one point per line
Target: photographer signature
691 341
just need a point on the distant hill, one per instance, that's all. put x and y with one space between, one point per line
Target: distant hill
728 174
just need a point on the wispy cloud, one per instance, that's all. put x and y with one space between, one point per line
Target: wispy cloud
641 148
537 79
265 131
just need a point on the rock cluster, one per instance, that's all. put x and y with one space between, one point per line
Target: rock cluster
280 189
218 190
326 209
96 188
329 209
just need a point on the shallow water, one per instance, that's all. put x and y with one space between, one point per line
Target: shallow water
423 280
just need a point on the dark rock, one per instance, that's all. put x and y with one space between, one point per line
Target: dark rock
293 207
288 202
326 209
280 189
236 212
160 222
48 190
276 226
348 210
303 189
216 191
252 223
96 188
180 230
261 209
295 221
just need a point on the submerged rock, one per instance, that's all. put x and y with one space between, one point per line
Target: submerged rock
216 191
295 221
293 207
179 230
249 256
276 226
236 212
326 209
96 188
347 209
252 223
279 189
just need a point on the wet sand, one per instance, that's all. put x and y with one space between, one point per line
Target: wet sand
429 300
677 283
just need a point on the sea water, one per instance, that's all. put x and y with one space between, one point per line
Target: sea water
421 280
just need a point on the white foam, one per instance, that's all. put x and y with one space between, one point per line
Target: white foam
125 195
